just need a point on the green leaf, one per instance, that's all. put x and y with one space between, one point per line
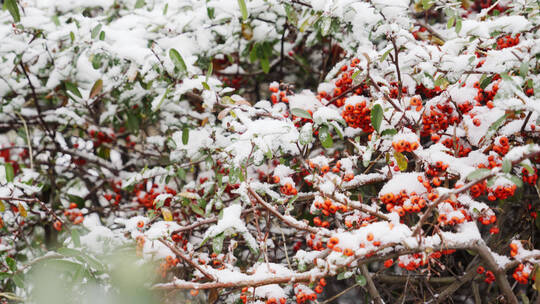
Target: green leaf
12 264
344 275
102 36
305 137
326 23
301 113
13 9
243 9
376 117
18 280
139 3
177 60
516 180
95 31
478 174
485 81
181 173
506 165
69 252
401 160
217 243
325 137
165 9
56 20
73 89
197 209
494 127
451 22
292 16
76 199
210 71
76 237
426 4
185 135
10 174
523 69
389 132
458 25
383 57
132 122
265 65
361 280
96 88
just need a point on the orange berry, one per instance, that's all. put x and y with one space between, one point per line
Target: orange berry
194 292
57 225
370 237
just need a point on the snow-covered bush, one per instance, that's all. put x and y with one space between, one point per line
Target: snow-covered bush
269 151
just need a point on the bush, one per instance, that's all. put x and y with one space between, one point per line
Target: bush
269 151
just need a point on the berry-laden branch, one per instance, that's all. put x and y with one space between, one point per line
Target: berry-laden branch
466 187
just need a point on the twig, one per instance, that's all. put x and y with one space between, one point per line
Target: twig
288 220
28 141
187 260
500 275
372 289
251 282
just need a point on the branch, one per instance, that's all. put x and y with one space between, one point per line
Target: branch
500 275
187 260
466 187
287 219
372 289
309 276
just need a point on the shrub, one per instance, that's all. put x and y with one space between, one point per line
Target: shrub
270 151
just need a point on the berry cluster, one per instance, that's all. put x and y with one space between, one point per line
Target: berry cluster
403 202
100 137
304 294
169 263
451 213
74 214
328 207
501 192
529 178
358 115
522 273
503 146
280 92
438 118
507 41
405 146
454 144
415 102
490 277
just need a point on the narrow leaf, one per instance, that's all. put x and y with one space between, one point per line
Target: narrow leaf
10 174
478 174
325 138
96 88
13 9
22 210
376 117
217 243
167 215
76 237
185 135
243 9
177 60
73 89
401 160
301 113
